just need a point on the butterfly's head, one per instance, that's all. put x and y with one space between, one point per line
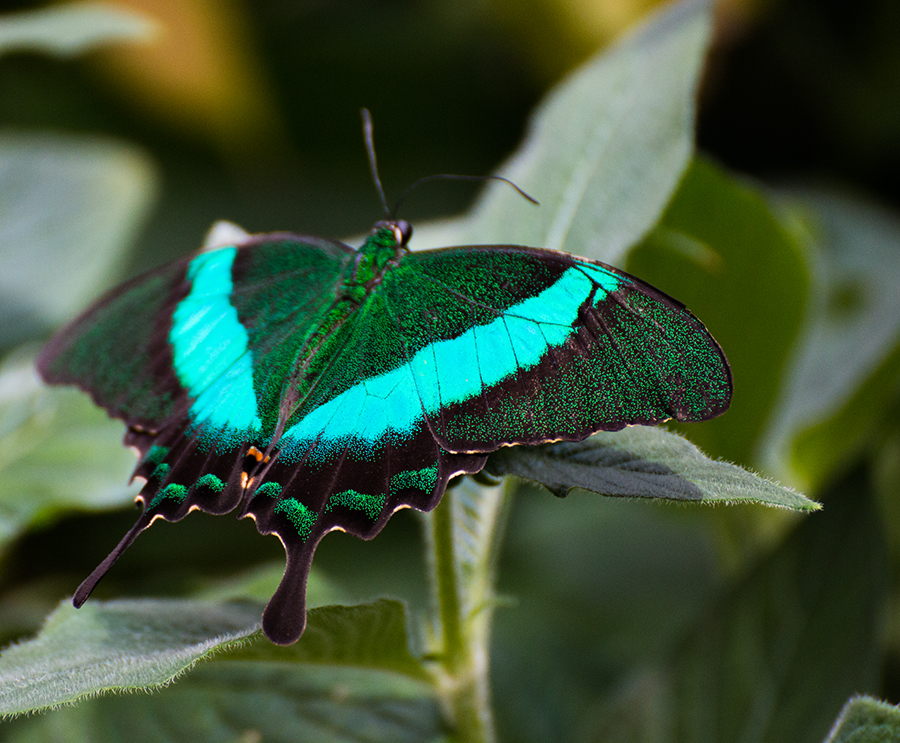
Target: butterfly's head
400 227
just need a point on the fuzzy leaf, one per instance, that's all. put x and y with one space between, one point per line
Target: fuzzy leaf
362 636
73 28
478 517
116 645
866 720
70 208
58 451
642 462
246 702
143 645
603 152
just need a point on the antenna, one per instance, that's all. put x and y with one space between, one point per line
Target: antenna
373 164
455 177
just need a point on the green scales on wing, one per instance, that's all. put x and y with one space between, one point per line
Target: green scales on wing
315 387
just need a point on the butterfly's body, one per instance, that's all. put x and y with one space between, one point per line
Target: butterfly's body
313 387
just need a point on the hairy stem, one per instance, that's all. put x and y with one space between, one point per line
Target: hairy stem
463 578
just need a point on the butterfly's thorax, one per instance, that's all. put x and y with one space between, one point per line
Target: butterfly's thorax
378 254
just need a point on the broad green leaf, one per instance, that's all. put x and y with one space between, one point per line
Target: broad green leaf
847 369
362 636
772 660
722 250
116 645
71 206
351 677
866 720
144 644
58 451
226 702
71 29
642 462
603 152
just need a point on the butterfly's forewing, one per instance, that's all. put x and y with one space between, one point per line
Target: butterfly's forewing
177 353
511 345
118 350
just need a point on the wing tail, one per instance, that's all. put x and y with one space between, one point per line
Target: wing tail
87 586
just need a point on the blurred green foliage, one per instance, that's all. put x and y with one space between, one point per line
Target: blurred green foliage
616 621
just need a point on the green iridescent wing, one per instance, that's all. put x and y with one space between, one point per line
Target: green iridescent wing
179 354
556 347
118 351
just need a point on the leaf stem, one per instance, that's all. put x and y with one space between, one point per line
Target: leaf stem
463 672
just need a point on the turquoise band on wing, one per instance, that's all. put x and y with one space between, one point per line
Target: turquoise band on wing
392 406
210 348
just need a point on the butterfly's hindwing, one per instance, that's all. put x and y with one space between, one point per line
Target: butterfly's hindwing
356 492
183 473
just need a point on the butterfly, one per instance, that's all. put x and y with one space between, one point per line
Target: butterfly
311 386
314 387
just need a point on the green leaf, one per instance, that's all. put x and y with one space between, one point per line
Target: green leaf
116 645
72 28
350 678
71 206
58 451
722 250
478 515
642 462
847 370
604 151
770 660
362 636
866 720
246 703
144 644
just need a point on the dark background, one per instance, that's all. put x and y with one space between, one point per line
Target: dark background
251 110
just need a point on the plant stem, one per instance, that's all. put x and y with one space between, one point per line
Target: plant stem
463 673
